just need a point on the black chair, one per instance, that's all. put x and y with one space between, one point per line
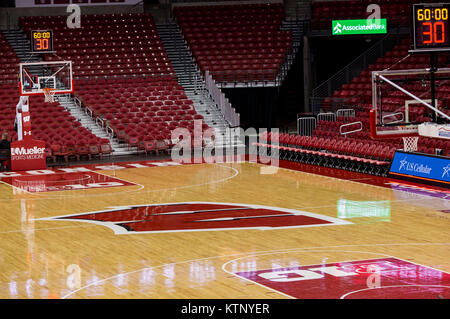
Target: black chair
5 155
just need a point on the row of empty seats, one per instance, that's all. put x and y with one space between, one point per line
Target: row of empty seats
357 94
51 123
108 45
217 35
9 62
329 142
140 110
344 153
127 83
62 133
331 130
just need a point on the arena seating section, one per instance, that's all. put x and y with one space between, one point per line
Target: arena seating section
236 43
123 76
110 45
397 12
53 124
61 132
359 93
357 151
9 62
140 110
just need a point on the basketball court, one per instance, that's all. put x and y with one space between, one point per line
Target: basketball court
210 230
320 223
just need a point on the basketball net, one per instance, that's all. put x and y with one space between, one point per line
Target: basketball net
410 143
49 95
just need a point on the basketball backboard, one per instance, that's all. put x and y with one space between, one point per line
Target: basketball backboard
402 100
35 77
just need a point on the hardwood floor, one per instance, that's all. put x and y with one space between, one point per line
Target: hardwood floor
124 234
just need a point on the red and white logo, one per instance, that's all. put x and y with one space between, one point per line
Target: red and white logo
381 278
50 181
199 216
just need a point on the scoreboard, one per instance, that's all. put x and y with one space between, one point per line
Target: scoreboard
431 27
41 41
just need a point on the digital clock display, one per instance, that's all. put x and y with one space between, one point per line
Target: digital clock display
431 26
41 41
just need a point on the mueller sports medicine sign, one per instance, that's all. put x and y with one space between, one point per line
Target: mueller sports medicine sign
363 26
421 166
27 155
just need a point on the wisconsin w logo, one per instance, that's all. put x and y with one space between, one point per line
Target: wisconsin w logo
199 216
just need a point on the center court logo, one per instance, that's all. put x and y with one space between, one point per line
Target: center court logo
199 216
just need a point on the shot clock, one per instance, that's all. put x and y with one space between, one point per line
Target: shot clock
431 27
41 41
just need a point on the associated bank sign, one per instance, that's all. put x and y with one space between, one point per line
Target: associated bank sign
424 166
363 26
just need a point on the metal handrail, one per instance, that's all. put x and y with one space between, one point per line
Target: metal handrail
391 115
97 120
328 116
349 124
89 111
77 101
108 130
310 128
346 112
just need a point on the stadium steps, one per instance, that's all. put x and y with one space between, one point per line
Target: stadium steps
295 9
190 78
298 30
21 45
69 104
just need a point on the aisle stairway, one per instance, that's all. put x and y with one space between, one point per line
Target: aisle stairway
21 45
87 121
189 76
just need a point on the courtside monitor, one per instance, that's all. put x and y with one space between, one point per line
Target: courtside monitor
431 27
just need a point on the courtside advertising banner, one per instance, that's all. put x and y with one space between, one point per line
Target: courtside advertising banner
363 26
27 155
421 166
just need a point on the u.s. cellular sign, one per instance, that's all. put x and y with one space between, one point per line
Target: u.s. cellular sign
364 26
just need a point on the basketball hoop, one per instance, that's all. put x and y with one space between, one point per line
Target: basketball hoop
410 143
49 95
